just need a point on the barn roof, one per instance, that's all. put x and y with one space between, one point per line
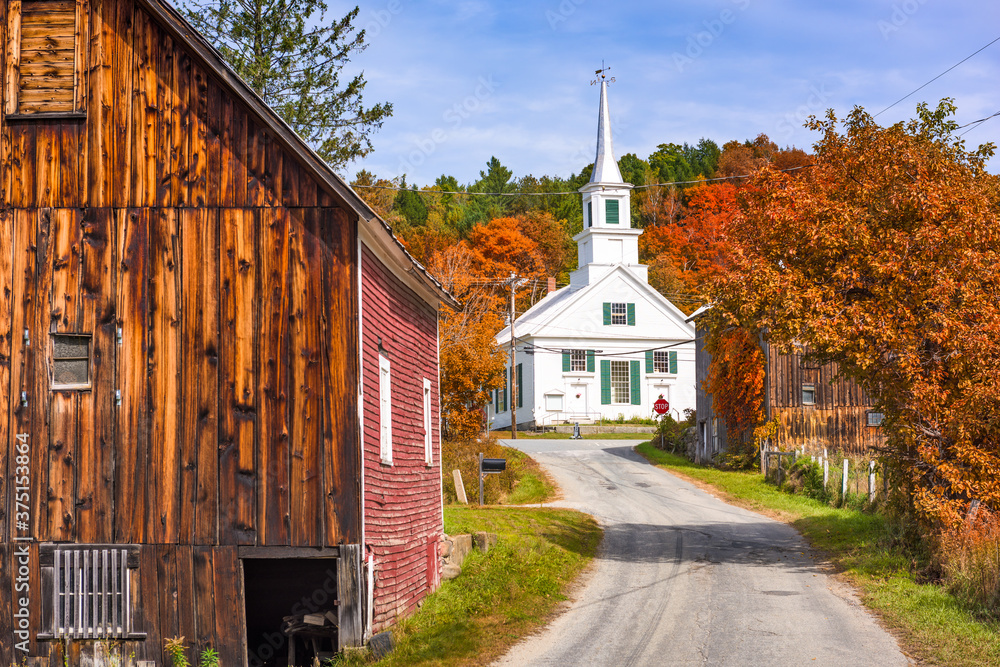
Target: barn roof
377 228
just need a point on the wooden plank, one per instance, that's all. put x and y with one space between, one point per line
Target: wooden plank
47 82
226 152
237 159
204 597
69 163
63 297
95 480
48 7
273 364
180 124
8 339
350 629
12 56
47 165
186 597
230 624
341 450
122 72
81 66
165 373
306 294
255 164
25 232
237 390
165 70
273 172
5 139
100 131
131 431
198 137
199 510
23 165
147 608
39 391
167 606
214 195
144 114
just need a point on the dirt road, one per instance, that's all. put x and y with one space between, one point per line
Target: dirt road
685 579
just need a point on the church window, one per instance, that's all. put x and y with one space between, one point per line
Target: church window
620 389
619 313
578 361
611 211
590 214
665 361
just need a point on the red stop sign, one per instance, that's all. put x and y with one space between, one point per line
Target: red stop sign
661 406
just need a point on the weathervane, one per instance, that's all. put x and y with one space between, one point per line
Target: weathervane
601 73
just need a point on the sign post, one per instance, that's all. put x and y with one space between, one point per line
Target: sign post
661 407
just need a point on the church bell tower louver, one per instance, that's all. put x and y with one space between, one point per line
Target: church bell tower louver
607 239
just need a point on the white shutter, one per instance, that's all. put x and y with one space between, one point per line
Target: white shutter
385 409
428 436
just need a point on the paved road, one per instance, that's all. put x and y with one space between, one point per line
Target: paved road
685 579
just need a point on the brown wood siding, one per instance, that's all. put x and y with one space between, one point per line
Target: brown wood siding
837 420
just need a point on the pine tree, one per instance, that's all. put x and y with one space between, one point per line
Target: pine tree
289 53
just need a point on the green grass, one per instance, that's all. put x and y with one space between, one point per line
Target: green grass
501 596
929 622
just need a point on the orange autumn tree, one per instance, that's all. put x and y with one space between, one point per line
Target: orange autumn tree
736 382
885 258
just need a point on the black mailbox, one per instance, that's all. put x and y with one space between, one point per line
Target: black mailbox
494 465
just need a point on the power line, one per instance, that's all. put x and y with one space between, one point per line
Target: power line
934 79
568 192
977 123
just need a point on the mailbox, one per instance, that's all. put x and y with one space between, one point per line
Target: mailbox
494 465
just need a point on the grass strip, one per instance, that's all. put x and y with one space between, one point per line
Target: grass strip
500 596
568 436
930 623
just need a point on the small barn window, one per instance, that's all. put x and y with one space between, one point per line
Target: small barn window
875 418
808 394
90 591
71 361
385 409
45 58
428 435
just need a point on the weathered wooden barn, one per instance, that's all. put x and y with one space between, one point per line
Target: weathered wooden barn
219 369
812 406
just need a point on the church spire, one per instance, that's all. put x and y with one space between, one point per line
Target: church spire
605 166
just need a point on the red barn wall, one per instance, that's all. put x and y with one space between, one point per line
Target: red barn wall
402 501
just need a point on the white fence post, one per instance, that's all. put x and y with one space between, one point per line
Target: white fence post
871 481
826 472
843 485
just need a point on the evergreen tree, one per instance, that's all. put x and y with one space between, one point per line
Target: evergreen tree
292 56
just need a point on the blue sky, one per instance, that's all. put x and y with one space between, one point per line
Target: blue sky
474 78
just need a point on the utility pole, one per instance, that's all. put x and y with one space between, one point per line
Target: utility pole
514 283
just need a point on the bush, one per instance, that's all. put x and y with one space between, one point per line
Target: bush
970 562
464 455
806 477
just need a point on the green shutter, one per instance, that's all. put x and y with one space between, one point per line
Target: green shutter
566 362
630 312
673 362
605 382
496 401
590 214
590 361
611 211
520 388
634 385
649 361
607 313
506 389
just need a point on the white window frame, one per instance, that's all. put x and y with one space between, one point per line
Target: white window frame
554 402
385 408
578 361
618 387
619 313
661 361
428 433
808 389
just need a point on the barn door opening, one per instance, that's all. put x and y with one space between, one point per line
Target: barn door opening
291 610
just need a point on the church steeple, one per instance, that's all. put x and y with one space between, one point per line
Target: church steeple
605 166
608 239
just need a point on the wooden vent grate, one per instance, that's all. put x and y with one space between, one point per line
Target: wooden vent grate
91 594
47 56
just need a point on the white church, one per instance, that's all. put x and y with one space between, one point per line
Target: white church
607 344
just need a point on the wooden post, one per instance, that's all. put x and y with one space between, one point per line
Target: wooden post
871 481
826 472
350 629
843 486
480 475
459 487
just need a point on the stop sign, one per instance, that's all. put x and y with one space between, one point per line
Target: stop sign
661 406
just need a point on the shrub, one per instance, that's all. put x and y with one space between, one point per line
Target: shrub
464 455
970 562
806 477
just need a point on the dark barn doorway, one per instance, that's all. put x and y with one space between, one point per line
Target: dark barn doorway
290 595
